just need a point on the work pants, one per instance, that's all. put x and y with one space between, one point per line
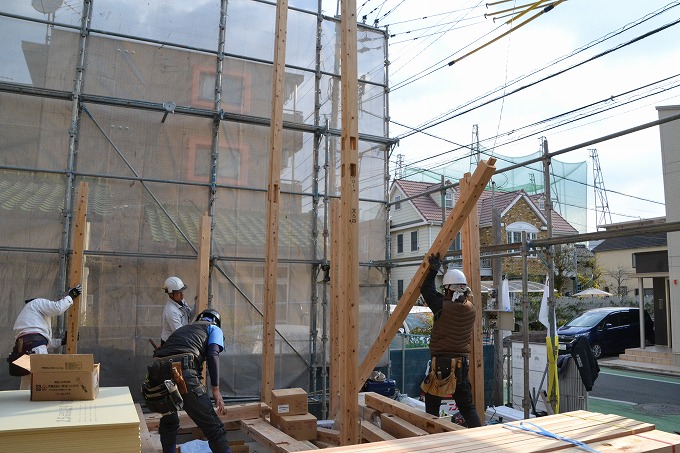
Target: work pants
198 406
462 395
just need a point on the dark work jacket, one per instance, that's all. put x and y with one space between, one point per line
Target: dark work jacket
190 339
585 361
453 321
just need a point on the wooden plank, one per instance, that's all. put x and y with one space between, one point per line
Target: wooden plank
233 413
273 195
149 443
349 198
331 436
441 244
335 310
265 434
430 423
471 264
75 272
398 427
203 264
650 442
585 426
371 433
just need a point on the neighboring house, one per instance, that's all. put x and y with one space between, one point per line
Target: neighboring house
670 159
416 222
631 262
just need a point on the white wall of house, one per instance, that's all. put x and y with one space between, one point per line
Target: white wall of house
670 158
611 260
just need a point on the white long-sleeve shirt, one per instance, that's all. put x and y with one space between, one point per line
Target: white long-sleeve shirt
36 315
174 317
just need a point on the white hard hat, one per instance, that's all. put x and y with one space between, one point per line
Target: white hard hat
454 277
173 284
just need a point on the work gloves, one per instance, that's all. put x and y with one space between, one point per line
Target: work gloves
435 263
75 291
63 339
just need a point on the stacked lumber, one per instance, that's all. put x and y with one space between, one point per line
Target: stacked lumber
571 432
107 424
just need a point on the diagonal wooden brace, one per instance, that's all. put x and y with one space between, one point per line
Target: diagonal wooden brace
441 244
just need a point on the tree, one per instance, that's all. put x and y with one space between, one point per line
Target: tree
619 275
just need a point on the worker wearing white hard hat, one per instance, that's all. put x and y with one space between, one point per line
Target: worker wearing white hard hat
176 312
450 342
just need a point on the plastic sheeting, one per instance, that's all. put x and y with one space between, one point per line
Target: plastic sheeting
159 146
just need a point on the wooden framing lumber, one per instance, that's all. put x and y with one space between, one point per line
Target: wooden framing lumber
441 244
234 413
328 435
336 310
273 195
580 426
270 437
203 264
471 265
75 273
371 433
398 427
148 442
427 422
349 198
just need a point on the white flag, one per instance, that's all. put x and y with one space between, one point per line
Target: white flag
505 296
543 313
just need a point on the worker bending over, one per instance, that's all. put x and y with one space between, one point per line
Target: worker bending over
174 381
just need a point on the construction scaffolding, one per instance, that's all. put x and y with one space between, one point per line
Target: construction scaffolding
164 112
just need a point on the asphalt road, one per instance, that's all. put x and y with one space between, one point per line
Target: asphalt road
642 396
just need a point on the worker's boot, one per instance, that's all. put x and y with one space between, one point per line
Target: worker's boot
172 448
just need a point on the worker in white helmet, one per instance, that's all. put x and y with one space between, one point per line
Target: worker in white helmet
176 312
454 320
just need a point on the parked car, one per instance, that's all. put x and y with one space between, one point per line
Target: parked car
415 330
609 329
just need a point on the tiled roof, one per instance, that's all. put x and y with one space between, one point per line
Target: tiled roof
245 228
632 242
432 212
45 193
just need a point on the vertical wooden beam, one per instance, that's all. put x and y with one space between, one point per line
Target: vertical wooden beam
273 194
75 273
471 265
203 264
349 197
336 311
450 229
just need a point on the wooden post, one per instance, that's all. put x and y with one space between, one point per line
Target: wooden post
349 197
441 244
203 264
75 273
471 264
336 311
273 194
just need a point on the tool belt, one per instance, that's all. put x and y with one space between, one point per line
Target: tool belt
24 345
438 385
171 368
163 398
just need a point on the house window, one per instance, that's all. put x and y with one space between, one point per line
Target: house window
400 289
400 243
231 163
236 87
449 199
397 202
514 233
414 241
456 244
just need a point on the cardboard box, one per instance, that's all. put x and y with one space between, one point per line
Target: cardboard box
64 377
289 402
299 427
